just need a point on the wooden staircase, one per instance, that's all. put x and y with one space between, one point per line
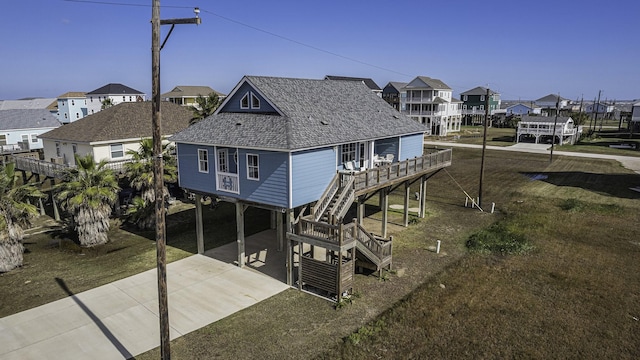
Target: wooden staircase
374 252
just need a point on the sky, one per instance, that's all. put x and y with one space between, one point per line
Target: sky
523 49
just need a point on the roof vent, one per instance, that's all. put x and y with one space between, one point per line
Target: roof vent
323 122
396 117
238 123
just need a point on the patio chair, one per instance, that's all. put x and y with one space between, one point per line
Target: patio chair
389 158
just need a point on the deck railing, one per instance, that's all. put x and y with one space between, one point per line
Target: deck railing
228 182
379 246
336 234
378 176
323 203
344 200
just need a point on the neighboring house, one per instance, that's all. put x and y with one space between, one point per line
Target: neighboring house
540 130
35 103
72 106
634 125
20 129
474 101
391 93
306 149
367 81
430 102
187 95
116 93
550 102
474 105
600 108
521 109
110 133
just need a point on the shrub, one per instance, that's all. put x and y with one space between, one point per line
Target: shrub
499 239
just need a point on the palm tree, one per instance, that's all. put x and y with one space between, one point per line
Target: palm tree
106 103
88 191
140 174
16 212
206 106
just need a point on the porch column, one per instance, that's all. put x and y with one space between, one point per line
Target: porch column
279 230
423 196
273 219
384 197
407 193
290 245
240 232
199 232
360 209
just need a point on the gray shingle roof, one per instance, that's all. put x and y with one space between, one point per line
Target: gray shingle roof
27 103
550 97
427 82
15 119
397 85
127 120
315 113
367 81
544 119
114 89
479 90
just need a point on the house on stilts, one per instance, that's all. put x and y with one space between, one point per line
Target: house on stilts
307 150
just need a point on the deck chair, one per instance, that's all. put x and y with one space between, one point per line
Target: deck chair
389 157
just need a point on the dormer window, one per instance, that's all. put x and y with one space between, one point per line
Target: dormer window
255 101
244 102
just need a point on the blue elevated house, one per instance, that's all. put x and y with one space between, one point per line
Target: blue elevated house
306 150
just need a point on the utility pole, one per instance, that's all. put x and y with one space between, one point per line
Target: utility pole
553 134
484 147
596 107
158 170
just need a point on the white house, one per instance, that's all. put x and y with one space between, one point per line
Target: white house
521 109
430 102
540 129
72 106
635 117
187 95
116 93
110 133
20 129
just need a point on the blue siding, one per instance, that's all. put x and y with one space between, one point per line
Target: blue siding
387 146
312 171
233 105
411 146
272 188
188 175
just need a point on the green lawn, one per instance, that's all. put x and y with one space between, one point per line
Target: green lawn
576 295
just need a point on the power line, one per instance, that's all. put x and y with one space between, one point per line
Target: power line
253 28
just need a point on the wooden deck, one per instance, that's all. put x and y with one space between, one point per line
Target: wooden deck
54 170
388 175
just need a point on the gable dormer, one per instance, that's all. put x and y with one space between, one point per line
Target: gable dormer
247 99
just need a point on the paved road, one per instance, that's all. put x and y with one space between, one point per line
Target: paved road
120 320
629 162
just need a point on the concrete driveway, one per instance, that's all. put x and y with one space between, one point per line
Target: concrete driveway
120 320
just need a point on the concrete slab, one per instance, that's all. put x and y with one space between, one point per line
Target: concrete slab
120 320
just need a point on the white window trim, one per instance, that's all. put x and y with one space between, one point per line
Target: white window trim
34 138
242 100
257 166
253 99
226 160
204 161
111 151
